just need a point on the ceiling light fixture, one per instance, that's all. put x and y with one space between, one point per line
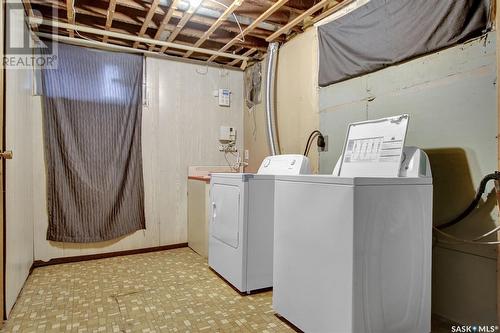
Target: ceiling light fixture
194 3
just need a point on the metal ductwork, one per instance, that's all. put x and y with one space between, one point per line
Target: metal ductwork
272 135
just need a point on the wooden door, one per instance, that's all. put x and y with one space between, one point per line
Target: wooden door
2 164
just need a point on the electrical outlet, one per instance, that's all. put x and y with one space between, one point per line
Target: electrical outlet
325 148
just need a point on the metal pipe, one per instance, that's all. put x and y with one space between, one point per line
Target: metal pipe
272 136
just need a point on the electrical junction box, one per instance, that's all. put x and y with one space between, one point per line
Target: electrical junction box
224 97
227 135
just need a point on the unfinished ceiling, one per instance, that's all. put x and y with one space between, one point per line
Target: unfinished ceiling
229 32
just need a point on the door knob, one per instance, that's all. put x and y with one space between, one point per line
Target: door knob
6 154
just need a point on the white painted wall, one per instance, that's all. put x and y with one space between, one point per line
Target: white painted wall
180 128
19 182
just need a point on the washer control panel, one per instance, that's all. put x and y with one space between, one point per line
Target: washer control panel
285 165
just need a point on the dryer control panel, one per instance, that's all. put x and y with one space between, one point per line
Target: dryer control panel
285 165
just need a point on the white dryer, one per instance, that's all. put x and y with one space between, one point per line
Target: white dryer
353 254
241 222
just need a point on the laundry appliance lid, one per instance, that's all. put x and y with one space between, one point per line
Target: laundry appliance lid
354 181
374 148
231 175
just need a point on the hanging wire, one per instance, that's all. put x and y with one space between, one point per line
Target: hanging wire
227 149
75 30
466 241
242 39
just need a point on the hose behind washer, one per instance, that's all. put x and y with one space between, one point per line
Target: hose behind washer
474 203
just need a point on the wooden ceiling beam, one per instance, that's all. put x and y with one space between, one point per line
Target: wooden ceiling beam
101 32
70 15
246 54
109 18
147 20
229 10
160 11
196 34
185 19
297 20
228 26
96 13
114 47
164 22
87 16
284 7
332 10
277 5
28 8
121 17
252 11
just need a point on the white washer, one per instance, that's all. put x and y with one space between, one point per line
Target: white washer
241 222
353 254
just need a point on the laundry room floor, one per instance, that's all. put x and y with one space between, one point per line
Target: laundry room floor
168 291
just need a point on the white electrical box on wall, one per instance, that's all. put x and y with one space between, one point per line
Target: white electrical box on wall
224 97
227 135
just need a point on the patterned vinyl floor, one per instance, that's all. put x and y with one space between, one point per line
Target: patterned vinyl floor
169 291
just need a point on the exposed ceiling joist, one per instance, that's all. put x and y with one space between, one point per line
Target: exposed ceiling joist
284 7
118 17
164 22
100 32
277 5
246 54
229 10
70 15
209 31
115 47
109 18
28 8
95 12
187 16
147 20
140 5
189 37
247 13
110 14
332 10
297 20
